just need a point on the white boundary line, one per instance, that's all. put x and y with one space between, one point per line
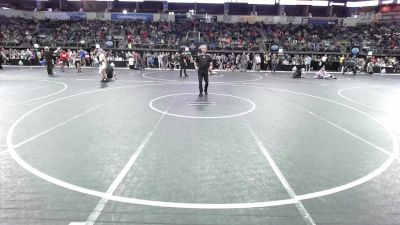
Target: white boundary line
122 174
373 174
210 76
253 107
35 99
241 81
153 78
292 194
70 96
345 130
192 70
58 125
53 128
339 127
22 91
303 211
111 189
365 105
13 71
43 97
355 102
201 103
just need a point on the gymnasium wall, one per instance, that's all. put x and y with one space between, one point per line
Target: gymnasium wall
168 17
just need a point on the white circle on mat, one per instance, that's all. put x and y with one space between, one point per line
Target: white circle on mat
252 108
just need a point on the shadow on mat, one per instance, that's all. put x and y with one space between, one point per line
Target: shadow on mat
103 85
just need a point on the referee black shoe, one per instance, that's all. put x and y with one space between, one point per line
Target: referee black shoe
201 95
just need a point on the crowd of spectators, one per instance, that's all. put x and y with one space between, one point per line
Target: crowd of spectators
124 34
218 36
333 38
228 61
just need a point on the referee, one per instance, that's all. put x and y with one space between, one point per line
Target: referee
203 65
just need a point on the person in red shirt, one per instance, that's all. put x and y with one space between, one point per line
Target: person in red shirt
64 59
374 60
129 40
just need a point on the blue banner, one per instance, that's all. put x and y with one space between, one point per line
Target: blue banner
165 6
180 18
226 8
131 16
77 15
322 21
65 15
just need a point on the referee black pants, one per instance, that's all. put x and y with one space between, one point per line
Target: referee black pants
49 69
183 67
203 74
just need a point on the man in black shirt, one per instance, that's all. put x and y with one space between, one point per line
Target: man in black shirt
1 60
350 65
48 56
203 65
183 64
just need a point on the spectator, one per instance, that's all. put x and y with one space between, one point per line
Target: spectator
1 59
274 62
258 62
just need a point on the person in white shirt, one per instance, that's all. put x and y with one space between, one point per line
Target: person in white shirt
323 60
258 62
28 54
78 63
160 61
102 65
285 62
307 62
254 63
131 63
322 74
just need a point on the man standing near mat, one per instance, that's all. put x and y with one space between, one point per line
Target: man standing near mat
48 56
1 59
183 63
203 65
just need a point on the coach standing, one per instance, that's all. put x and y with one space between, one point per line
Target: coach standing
203 65
48 56
183 64
1 59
